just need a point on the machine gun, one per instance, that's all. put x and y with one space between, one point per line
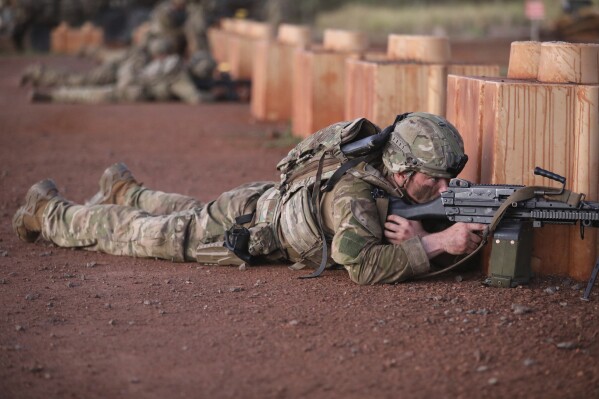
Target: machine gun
510 211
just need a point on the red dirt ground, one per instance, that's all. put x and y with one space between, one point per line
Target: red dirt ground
75 324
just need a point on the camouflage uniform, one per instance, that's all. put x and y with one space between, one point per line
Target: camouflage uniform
123 66
174 227
162 79
281 220
151 224
196 28
168 21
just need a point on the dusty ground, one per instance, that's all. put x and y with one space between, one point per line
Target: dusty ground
75 324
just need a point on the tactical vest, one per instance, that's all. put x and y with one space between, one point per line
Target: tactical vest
287 223
312 168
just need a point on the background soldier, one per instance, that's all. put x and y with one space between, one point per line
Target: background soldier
125 218
164 78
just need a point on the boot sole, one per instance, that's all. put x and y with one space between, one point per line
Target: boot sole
40 191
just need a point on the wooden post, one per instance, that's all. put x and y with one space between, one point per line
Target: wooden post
241 46
58 38
464 98
379 90
562 62
417 48
524 60
74 40
584 178
217 40
294 35
344 40
511 126
318 89
272 74
319 80
92 36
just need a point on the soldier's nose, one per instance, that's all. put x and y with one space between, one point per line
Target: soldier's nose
443 184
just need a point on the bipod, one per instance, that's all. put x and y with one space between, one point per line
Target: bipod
587 291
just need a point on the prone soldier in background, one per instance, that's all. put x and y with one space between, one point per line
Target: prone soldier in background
264 221
165 77
166 23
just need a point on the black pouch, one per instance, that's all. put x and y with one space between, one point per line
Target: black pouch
237 240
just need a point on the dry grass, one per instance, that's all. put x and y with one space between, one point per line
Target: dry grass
468 20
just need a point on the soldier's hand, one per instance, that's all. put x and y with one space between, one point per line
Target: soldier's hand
398 229
461 238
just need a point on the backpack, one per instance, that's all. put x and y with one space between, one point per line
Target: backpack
324 157
338 146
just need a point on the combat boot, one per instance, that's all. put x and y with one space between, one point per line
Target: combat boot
27 222
114 183
37 96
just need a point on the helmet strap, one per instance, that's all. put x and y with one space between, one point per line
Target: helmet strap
408 176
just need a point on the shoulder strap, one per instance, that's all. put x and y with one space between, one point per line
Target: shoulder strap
315 200
334 179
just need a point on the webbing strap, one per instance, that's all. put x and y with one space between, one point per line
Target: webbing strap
315 200
332 181
382 205
243 219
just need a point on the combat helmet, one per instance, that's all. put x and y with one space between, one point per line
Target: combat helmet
426 143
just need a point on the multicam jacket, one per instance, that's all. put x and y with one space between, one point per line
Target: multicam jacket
285 228
353 226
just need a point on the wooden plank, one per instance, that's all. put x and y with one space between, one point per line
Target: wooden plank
272 73
465 96
532 122
488 70
562 62
585 178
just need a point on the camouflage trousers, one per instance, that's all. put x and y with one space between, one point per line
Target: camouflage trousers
103 74
98 94
181 87
152 224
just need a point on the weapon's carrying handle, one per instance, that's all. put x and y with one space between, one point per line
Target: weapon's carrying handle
553 176
550 175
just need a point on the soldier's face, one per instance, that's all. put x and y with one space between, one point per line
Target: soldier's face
421 187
